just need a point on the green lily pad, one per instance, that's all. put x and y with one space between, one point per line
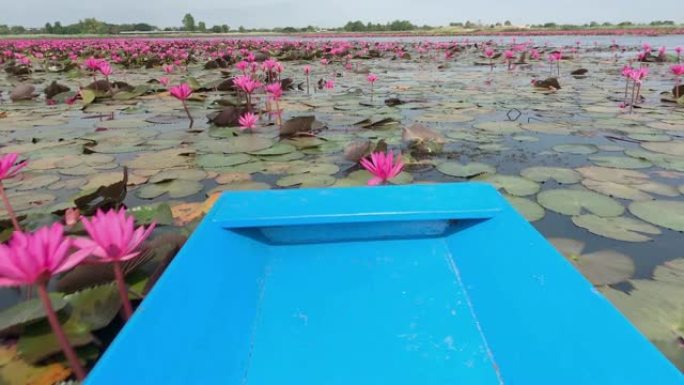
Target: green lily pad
623 162
278 149
604 267
674 148
531 210
620 228
465 170
665 161
29 311
159 213
656 307
576 202
559 174
513 185
185 174
616 190
210 161
33 181
164 159
576 149
306 180
178 188
95 307
664 213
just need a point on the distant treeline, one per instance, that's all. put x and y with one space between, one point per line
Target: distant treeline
96 27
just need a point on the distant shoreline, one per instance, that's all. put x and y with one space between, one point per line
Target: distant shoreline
443 31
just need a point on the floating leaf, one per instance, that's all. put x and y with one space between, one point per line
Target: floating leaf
465 170
576 202
620 228
95 307
178 188
577 149
616 190
605 267
620 162
29 311
559 174
531 210
158 213
513 185
306 180
664 213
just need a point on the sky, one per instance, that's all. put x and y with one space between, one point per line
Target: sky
333 13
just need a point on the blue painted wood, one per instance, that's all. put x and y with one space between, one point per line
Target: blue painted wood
422 284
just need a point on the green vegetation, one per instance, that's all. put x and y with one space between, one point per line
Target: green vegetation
93 26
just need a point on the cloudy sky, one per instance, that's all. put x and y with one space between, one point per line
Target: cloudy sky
329 13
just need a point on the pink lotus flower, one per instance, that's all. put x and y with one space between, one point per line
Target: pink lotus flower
168 68
275 91
33 258
9 166
677 69
164 81
489 53
92 64
330 84
242 65
307 70
508 54
248 121
678 51
181 92
114 238
105 69
246 83
71 216
371 78
383 167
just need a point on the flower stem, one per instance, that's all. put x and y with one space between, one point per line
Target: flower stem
59 333
8 207
123 291
187 112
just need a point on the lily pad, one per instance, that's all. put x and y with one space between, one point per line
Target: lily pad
616 190
465 170
577 202
559 174
664 213
178 188
623 162
620 228
605 267
576 149
306 180
513 185
531 210
29 311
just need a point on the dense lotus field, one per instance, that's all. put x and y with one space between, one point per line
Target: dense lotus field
585 140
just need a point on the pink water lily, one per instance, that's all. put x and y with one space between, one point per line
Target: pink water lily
32 259
371 78
247 121
383 166
114 239
275 91
182 92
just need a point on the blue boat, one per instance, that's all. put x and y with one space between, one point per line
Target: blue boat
400 285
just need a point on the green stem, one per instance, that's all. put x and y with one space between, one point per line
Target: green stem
8 207
59 333
123 291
